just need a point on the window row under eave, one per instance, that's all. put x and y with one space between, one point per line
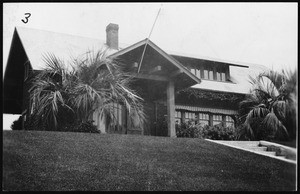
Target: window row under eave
211 73
203 118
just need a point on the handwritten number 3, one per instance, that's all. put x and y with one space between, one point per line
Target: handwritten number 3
25 21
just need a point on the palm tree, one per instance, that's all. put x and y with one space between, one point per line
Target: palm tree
269 111
77 90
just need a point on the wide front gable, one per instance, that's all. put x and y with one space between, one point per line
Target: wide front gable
147 61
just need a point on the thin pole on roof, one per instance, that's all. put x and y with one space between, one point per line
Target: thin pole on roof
148 40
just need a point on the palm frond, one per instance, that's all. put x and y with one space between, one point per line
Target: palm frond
274 77
280 109
92 81
272 122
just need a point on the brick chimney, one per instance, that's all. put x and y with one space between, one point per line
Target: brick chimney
112 36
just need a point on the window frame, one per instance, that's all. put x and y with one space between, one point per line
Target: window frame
229 120
216 118
223 75
178 115
204 117
205 74
187 116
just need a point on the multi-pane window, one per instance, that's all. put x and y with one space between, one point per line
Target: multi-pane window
196 72
221 76
217 119
203 119
189 116
229 121
178 117
209 73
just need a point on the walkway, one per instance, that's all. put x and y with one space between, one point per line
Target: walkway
265 148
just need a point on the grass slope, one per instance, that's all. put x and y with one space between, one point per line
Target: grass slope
36 160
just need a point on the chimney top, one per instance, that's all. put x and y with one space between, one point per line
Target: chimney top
112 37
112 26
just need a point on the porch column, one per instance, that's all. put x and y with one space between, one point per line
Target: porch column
171 109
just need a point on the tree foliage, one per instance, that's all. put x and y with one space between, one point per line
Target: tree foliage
76 90
269 111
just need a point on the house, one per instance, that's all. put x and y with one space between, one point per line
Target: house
175 87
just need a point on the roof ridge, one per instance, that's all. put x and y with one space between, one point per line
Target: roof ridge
63 33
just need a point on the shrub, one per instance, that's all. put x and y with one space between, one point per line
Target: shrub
33 124
69 124
87 127
17 124
186 129
217 132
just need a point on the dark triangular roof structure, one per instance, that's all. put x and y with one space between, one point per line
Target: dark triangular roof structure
175 68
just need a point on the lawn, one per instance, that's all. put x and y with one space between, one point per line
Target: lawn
59 161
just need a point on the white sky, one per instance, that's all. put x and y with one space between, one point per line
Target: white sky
260 33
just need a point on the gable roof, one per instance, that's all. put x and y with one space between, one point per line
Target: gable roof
39 42
147 42
66 47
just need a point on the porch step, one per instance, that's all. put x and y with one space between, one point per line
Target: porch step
282 157
263 148
256 148
269 153
240 143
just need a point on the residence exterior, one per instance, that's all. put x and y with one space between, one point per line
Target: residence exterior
175 87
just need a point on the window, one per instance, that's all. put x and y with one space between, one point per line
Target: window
218 76
189 116
203 119
193 71
205 74
229 121
211 75
223 77
217 119
177 117
198 73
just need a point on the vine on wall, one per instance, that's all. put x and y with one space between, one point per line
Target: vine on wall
210 95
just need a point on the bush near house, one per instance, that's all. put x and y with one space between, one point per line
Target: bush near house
217 132
74 126
17 124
